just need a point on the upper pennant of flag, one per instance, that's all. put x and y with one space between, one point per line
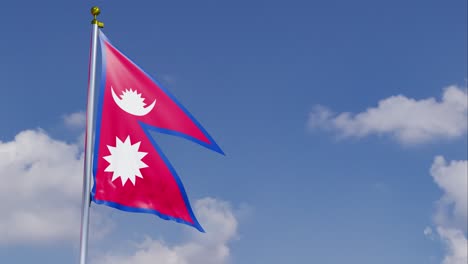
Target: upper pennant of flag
132 102
171 116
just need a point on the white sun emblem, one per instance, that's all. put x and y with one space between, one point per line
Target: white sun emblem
125 161
132 102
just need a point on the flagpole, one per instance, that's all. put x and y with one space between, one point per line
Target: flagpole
95 11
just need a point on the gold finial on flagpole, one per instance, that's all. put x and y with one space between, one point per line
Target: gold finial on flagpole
95 11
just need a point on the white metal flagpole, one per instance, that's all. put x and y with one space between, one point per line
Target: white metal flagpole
95 11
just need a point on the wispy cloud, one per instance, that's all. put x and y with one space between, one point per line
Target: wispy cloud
409 120
169 79
75 120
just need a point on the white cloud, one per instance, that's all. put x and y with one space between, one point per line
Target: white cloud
452 178
41 190
211 247
41 180
428 231
451 213
456 244
408 120
75 120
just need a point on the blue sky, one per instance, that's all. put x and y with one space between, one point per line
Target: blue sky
271 81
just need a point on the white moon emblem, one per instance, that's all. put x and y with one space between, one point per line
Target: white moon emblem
132 102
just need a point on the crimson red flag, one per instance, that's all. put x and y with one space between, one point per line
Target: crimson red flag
131 172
